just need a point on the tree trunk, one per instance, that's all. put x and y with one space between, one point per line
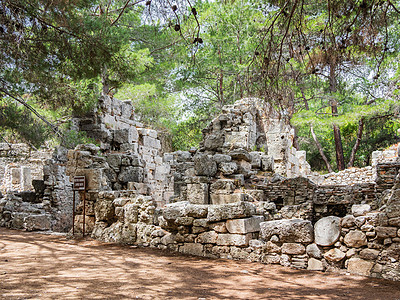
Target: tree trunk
105 82
357 144
336 130
321 151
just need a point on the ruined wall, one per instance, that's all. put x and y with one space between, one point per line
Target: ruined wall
133 154
19 165
47 206
238 196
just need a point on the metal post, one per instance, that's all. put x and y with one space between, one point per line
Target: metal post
73 214
84 206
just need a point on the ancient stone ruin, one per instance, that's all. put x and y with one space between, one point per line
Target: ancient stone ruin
246 193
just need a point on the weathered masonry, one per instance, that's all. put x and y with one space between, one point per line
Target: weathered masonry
246 193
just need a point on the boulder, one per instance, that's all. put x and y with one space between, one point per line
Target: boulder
315 265
360 209
355 239
348 221
334 255
288 230
359 266
327 231
313 251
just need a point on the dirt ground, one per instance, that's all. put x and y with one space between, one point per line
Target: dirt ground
38 266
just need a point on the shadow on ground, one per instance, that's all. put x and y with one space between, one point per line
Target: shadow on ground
51 267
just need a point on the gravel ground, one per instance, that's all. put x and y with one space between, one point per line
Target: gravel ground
43 266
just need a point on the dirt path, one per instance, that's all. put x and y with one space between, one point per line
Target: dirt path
37 266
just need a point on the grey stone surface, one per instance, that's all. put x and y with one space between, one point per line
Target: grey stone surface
245 225
204 165
313 251
290 231
230 211
355 239
327 231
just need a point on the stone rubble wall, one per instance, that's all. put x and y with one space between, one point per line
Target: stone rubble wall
253 125
367 174
133 153
239 196
47 207
19 165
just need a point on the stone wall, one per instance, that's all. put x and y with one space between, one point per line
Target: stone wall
47 207
19 165
238 196
134 154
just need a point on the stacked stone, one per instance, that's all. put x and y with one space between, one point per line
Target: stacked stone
224 230
19 166
125 217
46 208
350 176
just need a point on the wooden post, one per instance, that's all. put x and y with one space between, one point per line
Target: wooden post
73 213
84 207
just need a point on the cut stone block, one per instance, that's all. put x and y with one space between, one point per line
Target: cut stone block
246 225
230 211
197 193
239 240
288 230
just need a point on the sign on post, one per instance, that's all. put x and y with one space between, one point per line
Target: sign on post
79 183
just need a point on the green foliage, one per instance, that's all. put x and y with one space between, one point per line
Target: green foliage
18 120
72 138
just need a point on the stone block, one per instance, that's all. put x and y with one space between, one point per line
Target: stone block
355 239
240 154
227 168
222 158
204 165
16 175
267 163
219 227
131 174
334 255
255 159
218 199
369 254
209 237
288 230
38 222
26 178
359 266
227 186
360 209
197 193
327 231
313 251
230 211
131 212
385 232
246 225
239 240
293 248
315 265
192 249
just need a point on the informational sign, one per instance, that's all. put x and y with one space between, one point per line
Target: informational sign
79 183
